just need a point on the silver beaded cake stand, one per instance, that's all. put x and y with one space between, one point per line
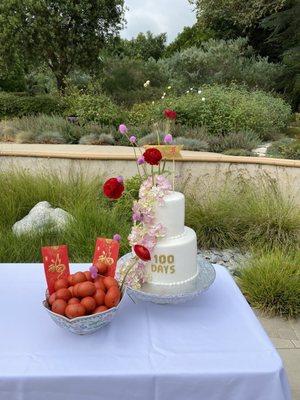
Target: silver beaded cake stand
162 294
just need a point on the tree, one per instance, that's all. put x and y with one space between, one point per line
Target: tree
284 31
238 18
190 36
144 46
63 34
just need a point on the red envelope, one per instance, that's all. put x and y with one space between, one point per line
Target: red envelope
107 252
56 264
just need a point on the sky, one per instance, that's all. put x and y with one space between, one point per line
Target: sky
158 16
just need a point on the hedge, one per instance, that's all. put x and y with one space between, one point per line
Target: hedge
12 105
221 110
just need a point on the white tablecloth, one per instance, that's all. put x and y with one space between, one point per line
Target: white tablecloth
212 348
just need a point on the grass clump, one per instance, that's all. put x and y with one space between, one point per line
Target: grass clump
78 195
94 139
244 213
271 282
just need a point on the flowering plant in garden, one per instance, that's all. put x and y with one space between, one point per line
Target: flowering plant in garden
146 230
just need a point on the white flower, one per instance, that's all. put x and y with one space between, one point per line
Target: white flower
153 102
169 87
187 91
203 99
191 89
162 97
146 84
199 91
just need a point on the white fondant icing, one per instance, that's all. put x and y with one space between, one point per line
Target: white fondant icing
171 214
174 260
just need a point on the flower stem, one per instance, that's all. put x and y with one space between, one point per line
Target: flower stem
133 262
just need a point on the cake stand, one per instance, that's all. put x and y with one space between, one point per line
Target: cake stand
179 293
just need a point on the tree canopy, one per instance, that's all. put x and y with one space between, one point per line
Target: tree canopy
63 34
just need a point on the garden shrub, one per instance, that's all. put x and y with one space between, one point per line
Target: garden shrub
95 108
220 62
50 137
12 105
94 139
192 144
238 152
271 282
123 80
221 110
233 140
40 124
285 148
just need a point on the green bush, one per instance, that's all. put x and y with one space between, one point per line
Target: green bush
50 137
285 148
271 282
39 125
94 139
95 108
223 110
220 62
192 144
238 152
123 80
233 140
12 105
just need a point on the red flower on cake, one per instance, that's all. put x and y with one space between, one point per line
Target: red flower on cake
113 188
142 252
152 156
170 114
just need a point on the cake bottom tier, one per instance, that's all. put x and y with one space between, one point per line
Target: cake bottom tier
174 261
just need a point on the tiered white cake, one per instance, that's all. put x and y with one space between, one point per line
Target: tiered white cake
174 260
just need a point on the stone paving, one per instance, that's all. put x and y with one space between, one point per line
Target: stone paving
285 335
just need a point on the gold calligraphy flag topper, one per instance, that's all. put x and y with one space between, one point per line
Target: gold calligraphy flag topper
168 151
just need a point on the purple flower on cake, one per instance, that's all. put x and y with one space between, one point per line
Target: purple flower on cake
132 139
117 237
168 138
123 129
94 271
141 160
120 179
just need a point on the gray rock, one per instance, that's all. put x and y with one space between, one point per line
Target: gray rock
40 216
232 259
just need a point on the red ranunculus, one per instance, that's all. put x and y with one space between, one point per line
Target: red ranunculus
142 252
152 156
170 114
113 188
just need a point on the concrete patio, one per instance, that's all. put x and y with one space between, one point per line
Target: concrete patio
285 335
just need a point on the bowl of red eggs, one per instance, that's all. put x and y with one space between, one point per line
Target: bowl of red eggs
81 304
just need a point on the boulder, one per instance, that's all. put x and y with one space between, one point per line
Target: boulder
41 216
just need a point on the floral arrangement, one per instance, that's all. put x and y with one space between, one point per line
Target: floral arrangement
145 230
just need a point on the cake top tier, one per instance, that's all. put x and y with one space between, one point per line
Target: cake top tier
171 214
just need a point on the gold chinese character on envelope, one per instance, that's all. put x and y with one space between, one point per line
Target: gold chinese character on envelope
56 264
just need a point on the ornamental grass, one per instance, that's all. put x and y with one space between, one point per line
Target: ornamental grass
244 213
271 282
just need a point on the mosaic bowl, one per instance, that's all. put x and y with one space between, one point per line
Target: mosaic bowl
84 325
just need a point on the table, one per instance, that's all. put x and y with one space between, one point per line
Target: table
212 348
